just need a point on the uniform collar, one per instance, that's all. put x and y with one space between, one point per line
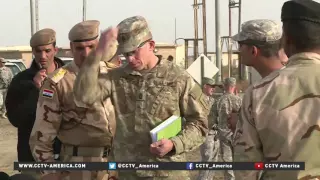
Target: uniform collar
303 58
159 69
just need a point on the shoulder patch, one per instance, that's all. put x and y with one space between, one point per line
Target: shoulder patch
58 75
47 93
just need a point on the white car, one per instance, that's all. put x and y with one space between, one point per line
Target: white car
18 62
66 60
15 69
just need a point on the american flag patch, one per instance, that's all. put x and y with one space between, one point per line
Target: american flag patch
47 93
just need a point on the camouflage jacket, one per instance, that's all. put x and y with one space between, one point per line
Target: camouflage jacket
58 116
222 109
280 120
5 77
142 101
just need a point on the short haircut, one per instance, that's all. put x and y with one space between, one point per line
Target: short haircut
268 49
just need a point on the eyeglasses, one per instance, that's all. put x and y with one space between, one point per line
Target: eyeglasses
131 53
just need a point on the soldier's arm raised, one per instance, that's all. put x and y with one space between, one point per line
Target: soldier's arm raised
46 126
196 128
247 145
88 87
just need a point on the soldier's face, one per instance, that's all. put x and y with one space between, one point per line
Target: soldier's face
208 90
141 57
44 55
81 50
246 54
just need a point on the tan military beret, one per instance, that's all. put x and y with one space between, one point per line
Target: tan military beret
84 31
43 37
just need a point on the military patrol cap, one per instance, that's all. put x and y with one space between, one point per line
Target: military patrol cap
301 10
259 31
230 81
208 81
133 32
43 37
84 31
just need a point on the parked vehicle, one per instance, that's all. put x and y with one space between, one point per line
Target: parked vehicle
66 60
18 62
15 69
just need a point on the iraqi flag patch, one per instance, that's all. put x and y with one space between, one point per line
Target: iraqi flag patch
47 93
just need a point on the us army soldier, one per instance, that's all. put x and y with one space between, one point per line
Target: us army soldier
209 148
5 80
86 135
145 92
222 110
280 115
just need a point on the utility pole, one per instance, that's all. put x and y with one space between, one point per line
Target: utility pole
243 70
218 46
32 18
204 23
196 33
84 10
37 14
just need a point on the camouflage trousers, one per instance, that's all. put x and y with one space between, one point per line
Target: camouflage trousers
3 96
209 151
86 175
226 153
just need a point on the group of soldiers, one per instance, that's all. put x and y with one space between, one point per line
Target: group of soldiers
92 110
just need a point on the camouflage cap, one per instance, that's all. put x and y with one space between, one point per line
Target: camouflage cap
230 81
43 37
132 32
84 31
261 30
208 81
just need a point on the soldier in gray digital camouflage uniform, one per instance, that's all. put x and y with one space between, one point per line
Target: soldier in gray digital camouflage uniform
5 80
209 149
222 110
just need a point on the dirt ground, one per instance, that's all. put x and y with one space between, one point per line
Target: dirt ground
8 150
8 146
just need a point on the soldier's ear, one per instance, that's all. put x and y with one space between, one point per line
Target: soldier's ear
254 51
152 45
56 50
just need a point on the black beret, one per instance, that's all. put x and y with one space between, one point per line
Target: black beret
303 10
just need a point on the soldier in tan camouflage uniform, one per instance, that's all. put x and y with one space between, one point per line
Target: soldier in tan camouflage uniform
222 109
145 92
86 135
280 115
209 148
5 80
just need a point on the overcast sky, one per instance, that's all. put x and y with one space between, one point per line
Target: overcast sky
61 15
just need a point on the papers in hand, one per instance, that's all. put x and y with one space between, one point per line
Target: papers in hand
167 129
